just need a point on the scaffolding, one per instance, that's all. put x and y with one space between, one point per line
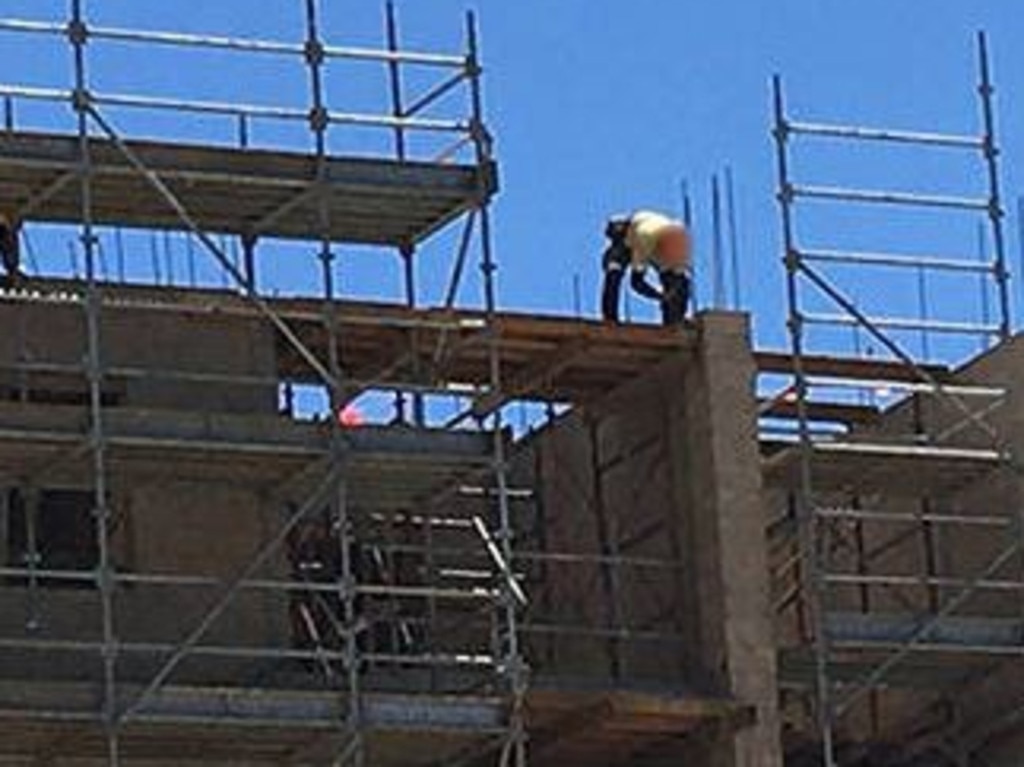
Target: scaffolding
409 558
92 175
885 445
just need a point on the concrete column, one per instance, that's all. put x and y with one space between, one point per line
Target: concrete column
715 452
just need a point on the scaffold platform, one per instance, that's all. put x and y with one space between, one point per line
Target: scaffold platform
237 191
386 345
274 726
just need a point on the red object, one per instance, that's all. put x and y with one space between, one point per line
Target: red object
350 417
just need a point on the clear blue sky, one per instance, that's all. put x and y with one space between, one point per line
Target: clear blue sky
603 106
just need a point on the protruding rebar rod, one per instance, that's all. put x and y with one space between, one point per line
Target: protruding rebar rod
717 256
733 238
686 202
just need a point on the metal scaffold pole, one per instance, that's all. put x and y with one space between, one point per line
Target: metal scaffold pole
805 513
512 665
352 751
406 250
815 493
395 78
322 198
78 35
995 211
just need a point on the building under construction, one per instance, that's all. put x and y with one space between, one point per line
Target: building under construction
697 553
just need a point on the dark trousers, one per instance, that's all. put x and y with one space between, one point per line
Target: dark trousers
610 293
676 288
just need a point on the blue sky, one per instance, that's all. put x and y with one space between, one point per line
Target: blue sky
602 106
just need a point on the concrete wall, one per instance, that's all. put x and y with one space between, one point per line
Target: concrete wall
187 528
148 340
953 551
166 520
990 700
664 469
924 691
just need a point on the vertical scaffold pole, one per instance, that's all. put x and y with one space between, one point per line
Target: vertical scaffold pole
352 750
395 83
395 78
995 206
514 752
78 36
805 512
407 250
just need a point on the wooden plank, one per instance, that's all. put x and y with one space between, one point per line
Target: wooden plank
608 727
568 726
536 376
899 473
847 367
826 411
543 358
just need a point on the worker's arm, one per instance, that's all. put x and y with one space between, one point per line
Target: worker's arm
638 281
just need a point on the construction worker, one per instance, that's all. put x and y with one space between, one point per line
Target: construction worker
641 240
10 252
